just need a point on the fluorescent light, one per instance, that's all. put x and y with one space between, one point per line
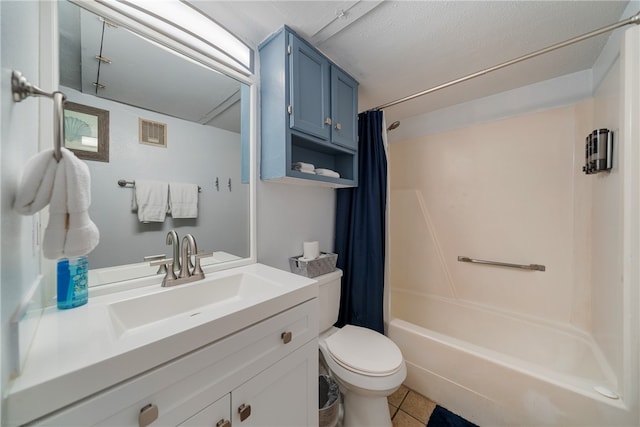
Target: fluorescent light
183 23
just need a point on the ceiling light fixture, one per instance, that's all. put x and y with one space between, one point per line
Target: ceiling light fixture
184 23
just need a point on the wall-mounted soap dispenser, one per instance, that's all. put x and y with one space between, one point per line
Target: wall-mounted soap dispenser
598 151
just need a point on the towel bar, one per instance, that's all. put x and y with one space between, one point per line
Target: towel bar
536 267
124 183
22 89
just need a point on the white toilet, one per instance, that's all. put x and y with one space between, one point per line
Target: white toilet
367 365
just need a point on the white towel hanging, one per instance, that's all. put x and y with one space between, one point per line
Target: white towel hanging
150 199
183 200
70 232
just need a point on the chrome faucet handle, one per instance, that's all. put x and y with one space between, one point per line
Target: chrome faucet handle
163 267
198 269
169 278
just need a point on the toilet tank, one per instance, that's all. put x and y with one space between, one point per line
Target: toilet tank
329 298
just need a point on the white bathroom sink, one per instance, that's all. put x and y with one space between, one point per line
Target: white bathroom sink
119 334
185 301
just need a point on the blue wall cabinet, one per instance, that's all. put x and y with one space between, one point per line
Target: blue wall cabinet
309 89
344 109
308 113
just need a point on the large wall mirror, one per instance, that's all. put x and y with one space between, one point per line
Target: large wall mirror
171 119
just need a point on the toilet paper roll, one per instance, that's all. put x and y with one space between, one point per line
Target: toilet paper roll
311 250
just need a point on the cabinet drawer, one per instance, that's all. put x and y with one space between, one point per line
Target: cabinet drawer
187 385
216 413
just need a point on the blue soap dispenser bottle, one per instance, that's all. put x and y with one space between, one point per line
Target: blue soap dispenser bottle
72 282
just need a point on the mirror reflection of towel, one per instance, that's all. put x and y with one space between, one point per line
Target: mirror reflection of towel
183 200
150 199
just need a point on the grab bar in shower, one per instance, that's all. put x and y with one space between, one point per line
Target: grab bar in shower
21 89
536 267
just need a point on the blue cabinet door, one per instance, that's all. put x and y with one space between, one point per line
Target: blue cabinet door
344 109
309 90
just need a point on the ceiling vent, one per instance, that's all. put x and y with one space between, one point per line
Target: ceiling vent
152 133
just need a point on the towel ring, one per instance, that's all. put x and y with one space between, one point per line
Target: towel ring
21 89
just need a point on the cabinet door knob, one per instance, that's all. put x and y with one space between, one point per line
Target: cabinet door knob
148 414
286 337
244 411
338 126
223 423
327 121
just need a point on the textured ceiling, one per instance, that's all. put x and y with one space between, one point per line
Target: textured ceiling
397 48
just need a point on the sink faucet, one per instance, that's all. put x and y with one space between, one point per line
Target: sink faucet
181 261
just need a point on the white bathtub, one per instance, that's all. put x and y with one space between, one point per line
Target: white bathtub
501 369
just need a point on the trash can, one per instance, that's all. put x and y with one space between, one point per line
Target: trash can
329 401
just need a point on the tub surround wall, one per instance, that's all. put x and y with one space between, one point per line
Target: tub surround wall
513 190
499 191
630 157
605 226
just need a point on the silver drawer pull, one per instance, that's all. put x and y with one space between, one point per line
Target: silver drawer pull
286 337
338 126
327 121
223 423
148 414
244 411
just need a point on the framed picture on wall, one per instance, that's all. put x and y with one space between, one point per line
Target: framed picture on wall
86 131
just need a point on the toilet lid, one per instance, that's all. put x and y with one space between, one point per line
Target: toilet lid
364 351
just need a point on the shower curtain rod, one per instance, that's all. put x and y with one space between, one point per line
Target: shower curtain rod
635 19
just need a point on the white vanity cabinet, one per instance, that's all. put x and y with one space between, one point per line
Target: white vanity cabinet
271 368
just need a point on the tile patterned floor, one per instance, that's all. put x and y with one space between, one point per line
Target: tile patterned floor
409 409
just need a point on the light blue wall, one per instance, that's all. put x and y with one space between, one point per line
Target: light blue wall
19 263
290 214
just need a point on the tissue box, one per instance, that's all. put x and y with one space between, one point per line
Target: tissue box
325 263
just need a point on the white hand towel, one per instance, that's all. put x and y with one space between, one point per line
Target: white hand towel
36 184
327 172
70 232
183 200
150 199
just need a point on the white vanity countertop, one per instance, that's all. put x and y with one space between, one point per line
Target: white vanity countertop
81 351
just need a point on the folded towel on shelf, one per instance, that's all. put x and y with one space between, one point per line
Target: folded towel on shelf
327 172
36 183
183 200
70 231
150 199
303 167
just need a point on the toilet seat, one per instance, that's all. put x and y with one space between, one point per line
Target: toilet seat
364 351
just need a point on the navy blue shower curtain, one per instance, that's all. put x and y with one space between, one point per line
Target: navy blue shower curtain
360 230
